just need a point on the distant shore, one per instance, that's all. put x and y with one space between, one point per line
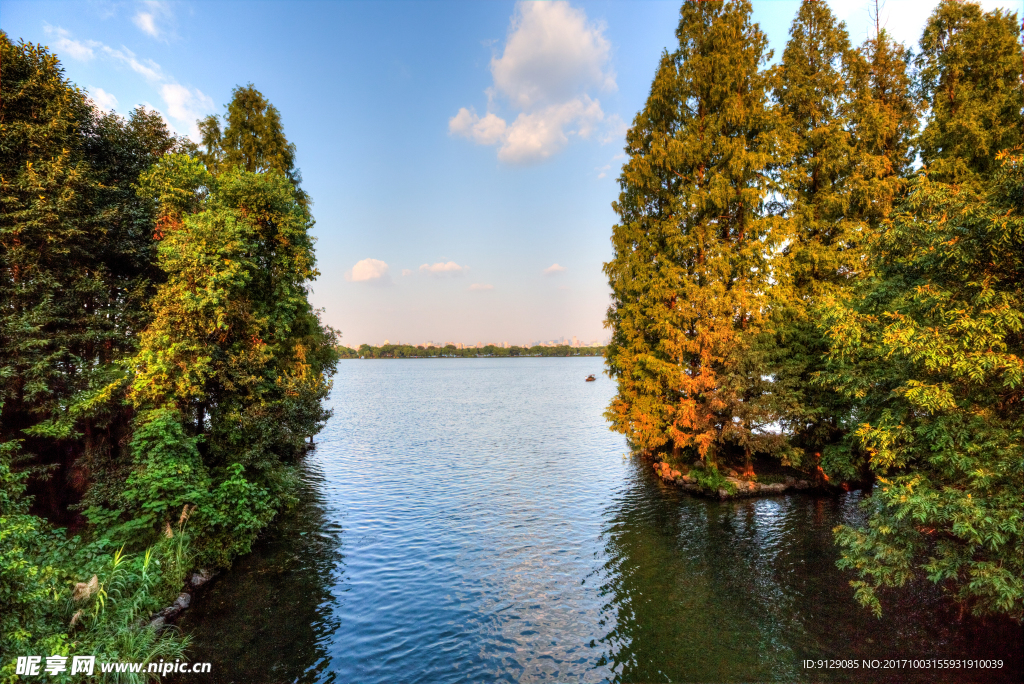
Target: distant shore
408 351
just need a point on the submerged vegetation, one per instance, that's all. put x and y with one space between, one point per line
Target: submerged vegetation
788 283
160 364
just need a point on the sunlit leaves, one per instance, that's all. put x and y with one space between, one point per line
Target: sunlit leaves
944 345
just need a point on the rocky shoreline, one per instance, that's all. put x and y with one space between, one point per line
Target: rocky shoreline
743 487
162 619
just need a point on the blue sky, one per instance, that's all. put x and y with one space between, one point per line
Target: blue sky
461 156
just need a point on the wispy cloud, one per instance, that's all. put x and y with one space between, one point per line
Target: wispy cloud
368 271
554 269
63 43
148 69
614 130
182 104
153 18
406 272
185 104
477 287
553 58
443 269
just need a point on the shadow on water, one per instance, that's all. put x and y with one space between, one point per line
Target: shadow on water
698 590
272 615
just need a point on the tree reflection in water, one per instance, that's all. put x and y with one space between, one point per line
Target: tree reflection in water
272 616
700 590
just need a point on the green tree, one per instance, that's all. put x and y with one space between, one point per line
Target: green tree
646 206
851 115
692 247
930 349
234 349
253 138
941 335
970 78
883 123
823 253
76 268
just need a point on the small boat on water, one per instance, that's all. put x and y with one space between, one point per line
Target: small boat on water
591 378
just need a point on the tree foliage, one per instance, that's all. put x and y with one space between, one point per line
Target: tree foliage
253 138
784 281
824 235
691 264
942 330
970 78
76 268
160 363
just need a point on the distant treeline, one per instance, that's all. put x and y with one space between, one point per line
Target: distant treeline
408 351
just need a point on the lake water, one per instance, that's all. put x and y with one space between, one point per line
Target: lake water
474 520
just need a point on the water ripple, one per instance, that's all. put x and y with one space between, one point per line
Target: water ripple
475 520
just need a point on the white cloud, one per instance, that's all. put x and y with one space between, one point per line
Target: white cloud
614 130
903 19
64 44
553 58
186 104
476 287
147 22
538 135
149 69
406 272
151 15
102 100
554 269
552 54
368 270
485 131
443 269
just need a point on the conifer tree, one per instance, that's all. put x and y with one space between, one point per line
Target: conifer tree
884 123
693 243
211 153
253 138
822 255
638 274
970 77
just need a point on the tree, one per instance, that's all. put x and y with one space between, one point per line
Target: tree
649 194
941 334
823 253
76 266
253 139
234 351
930 349
970 78
692 247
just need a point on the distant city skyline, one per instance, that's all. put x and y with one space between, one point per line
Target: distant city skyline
461 156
